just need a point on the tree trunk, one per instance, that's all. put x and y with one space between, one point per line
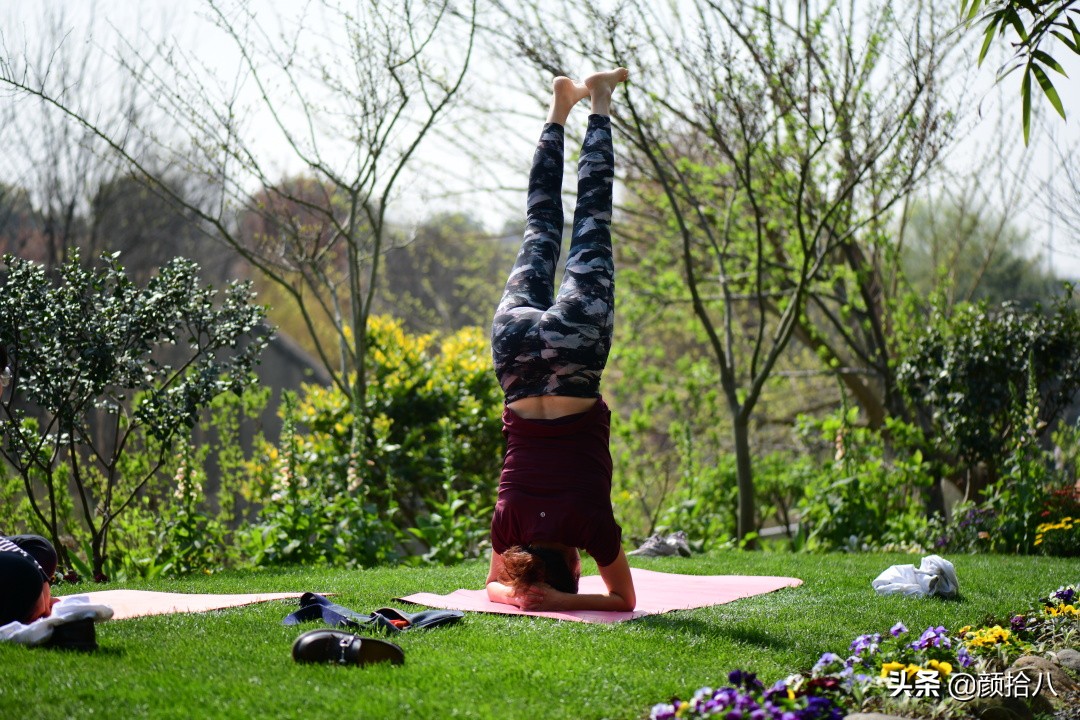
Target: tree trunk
97 545
744 476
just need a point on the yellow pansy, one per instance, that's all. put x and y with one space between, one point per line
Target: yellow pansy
942 667
890 667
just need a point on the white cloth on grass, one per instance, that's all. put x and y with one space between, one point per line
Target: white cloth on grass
69 609
934 576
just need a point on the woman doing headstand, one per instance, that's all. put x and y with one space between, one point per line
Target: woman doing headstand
549 352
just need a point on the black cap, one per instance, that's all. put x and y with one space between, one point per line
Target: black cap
20 587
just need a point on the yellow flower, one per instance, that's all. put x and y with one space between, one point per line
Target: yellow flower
942 667
1063 610
988 636
890 667
912 670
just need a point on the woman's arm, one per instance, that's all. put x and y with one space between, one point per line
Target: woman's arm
496 591
619 581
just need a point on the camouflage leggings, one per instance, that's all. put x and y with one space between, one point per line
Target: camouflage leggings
558 346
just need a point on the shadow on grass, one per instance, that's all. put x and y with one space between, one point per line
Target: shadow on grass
713 629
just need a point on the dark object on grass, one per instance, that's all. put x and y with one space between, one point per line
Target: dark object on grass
660 546
22 583
333 646
75 635
315 607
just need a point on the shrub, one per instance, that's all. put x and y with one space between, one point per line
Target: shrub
967 373
872 492
1033 490
190 526
107 377
426 471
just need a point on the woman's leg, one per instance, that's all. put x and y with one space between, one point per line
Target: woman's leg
530 288
583 318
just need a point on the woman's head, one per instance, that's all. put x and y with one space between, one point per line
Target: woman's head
525 565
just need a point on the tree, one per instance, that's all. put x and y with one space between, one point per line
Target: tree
1033 22
349 93
127 217
91 405
448 275
66 191
762 146
970 253
18 222
58 164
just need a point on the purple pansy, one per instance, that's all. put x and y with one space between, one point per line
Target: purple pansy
964 657
935 636
662 711
825 660
867 643
1065 594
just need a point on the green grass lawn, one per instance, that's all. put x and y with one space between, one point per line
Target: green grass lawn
236 663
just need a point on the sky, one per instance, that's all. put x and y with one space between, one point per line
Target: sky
990 141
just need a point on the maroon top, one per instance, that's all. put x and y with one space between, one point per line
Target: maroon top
556 484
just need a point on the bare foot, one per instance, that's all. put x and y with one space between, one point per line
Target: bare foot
601 85
565 94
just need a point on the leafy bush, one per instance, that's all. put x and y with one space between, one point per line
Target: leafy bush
1034 490
967 373
873 491
426 470
107 377
966 531
190 525
1017 497
703 504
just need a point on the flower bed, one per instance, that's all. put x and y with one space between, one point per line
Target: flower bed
935 673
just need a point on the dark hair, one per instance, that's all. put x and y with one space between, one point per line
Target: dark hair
525 565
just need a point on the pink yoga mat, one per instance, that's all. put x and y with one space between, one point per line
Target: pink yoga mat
139 603
657 592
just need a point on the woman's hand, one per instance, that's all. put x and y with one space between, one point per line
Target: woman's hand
538 597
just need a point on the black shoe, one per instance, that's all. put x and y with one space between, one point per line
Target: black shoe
344 649
76 635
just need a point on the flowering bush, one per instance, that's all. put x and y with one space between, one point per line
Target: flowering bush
748 699
879 666
967 530
415 482
995 643
1060 538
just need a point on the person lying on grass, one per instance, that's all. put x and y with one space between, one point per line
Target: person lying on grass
27 563
555 488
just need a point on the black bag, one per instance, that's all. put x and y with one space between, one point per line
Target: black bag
315 607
